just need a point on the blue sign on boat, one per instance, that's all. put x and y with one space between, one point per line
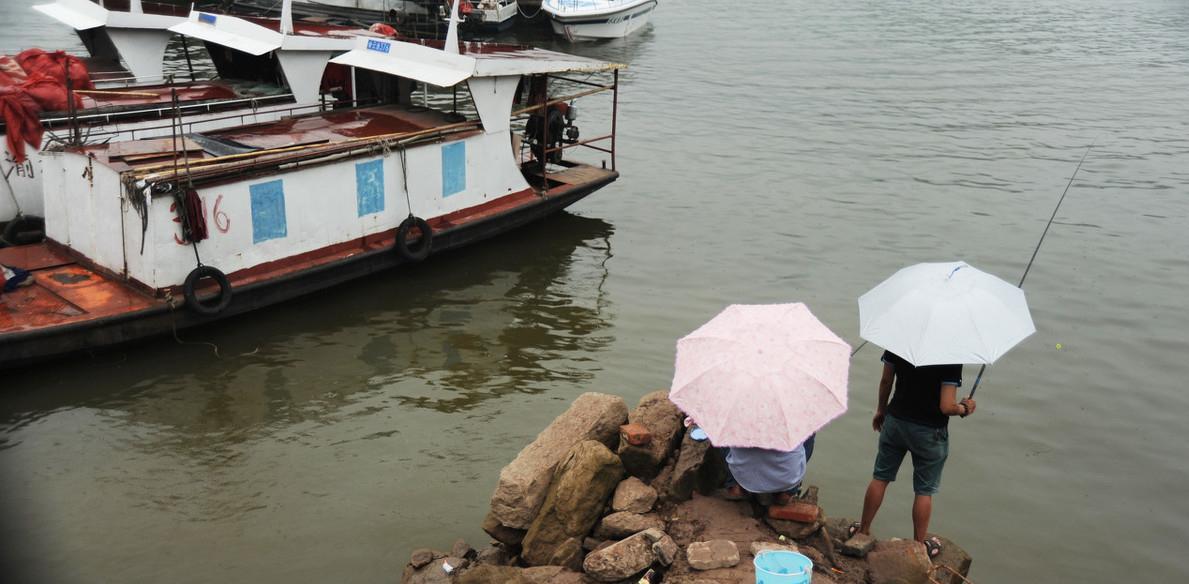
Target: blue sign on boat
268 211
207 18
379 46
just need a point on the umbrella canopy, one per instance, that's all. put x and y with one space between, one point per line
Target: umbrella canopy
763 376
942 313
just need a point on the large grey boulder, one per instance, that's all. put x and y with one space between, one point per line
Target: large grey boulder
634 496
523 483
622 559
623 524
663 421
577 494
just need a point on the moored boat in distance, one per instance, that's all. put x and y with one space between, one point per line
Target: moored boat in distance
579 20
147 236
495 15
268 68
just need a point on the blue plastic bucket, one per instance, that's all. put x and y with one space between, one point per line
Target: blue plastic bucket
783 567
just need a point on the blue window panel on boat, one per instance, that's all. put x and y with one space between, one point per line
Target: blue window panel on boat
369 187
268 211
454 168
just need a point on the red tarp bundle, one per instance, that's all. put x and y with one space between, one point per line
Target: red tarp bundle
33 82
57 65
384 29
22 120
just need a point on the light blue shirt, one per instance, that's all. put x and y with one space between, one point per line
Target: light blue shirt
760 470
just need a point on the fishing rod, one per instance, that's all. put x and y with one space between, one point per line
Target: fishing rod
982 369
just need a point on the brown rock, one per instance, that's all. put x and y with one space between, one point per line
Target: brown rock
858 546
665 550
420 557
760 546
495 555
541 574
431 573
954 557
523 484
838 526
620 560
693 464
899 562
634 496
502 533
461 549
663 420
623 524
491 575
794 530
710 555
577 494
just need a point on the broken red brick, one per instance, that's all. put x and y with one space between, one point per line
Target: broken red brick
796 511
635 434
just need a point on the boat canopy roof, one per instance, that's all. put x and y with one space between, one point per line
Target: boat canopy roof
258 36
422 61
85 15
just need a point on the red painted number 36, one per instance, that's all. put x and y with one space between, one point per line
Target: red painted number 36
222 221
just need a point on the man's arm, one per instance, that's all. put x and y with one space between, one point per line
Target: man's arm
885 393
950 405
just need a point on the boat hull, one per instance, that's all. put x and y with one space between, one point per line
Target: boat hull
23 348
605 25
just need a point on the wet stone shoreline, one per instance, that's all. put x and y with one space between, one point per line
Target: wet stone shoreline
604 495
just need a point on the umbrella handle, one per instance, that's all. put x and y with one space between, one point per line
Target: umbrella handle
976 382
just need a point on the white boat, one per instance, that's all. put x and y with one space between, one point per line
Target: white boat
298 54
495 15
597 19
145 237
136 37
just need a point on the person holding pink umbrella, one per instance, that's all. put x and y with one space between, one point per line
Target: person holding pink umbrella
762 380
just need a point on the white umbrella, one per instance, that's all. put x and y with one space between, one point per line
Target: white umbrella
941 313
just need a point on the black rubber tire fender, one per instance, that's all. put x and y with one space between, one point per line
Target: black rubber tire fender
419 250
192 301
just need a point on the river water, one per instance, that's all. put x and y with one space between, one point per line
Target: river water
771 152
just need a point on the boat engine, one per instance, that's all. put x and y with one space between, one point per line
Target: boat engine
550 135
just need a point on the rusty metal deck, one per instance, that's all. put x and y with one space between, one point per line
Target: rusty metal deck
62 292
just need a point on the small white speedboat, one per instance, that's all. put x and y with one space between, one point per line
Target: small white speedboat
597 19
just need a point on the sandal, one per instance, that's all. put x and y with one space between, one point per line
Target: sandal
852 529
734 493
933 546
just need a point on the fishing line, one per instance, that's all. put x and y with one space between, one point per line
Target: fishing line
982 369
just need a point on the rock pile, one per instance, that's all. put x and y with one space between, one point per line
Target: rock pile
604 495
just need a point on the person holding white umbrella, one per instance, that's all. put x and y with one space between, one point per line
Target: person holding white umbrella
931 318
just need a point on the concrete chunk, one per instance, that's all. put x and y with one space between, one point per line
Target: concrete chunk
709 555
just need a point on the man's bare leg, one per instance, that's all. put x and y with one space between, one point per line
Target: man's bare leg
871 502
922 508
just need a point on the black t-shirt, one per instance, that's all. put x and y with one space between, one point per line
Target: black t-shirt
918 390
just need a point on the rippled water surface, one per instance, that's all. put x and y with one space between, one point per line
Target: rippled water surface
770 151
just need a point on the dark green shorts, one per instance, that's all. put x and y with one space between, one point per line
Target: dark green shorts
929 447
